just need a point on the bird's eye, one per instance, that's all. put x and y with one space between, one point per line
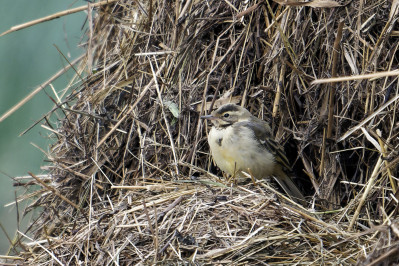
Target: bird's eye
226 115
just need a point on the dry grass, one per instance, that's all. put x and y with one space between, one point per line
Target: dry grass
131 178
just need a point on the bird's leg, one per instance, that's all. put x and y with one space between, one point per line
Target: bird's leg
234 174
252 177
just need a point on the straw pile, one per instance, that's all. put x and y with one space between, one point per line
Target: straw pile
131 178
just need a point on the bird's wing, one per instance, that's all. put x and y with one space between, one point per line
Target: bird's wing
264 136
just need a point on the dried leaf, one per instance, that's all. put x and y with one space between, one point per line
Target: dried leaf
315 3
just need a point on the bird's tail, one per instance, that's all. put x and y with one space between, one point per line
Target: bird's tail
290 188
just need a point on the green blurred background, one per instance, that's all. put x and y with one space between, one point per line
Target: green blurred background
28 58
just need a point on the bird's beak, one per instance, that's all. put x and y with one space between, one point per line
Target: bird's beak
209 117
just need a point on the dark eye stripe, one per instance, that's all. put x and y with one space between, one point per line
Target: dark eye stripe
228 108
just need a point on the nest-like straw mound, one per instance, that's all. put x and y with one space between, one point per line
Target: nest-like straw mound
132 180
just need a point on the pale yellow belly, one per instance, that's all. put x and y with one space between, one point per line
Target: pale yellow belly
239 152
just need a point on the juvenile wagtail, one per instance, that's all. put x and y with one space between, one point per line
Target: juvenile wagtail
240 142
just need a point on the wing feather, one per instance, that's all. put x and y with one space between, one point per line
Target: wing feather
264 137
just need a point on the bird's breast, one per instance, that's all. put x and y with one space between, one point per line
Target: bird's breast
237 150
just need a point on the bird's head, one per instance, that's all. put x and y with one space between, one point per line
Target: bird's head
228 114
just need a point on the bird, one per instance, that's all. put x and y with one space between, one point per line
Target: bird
240 142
